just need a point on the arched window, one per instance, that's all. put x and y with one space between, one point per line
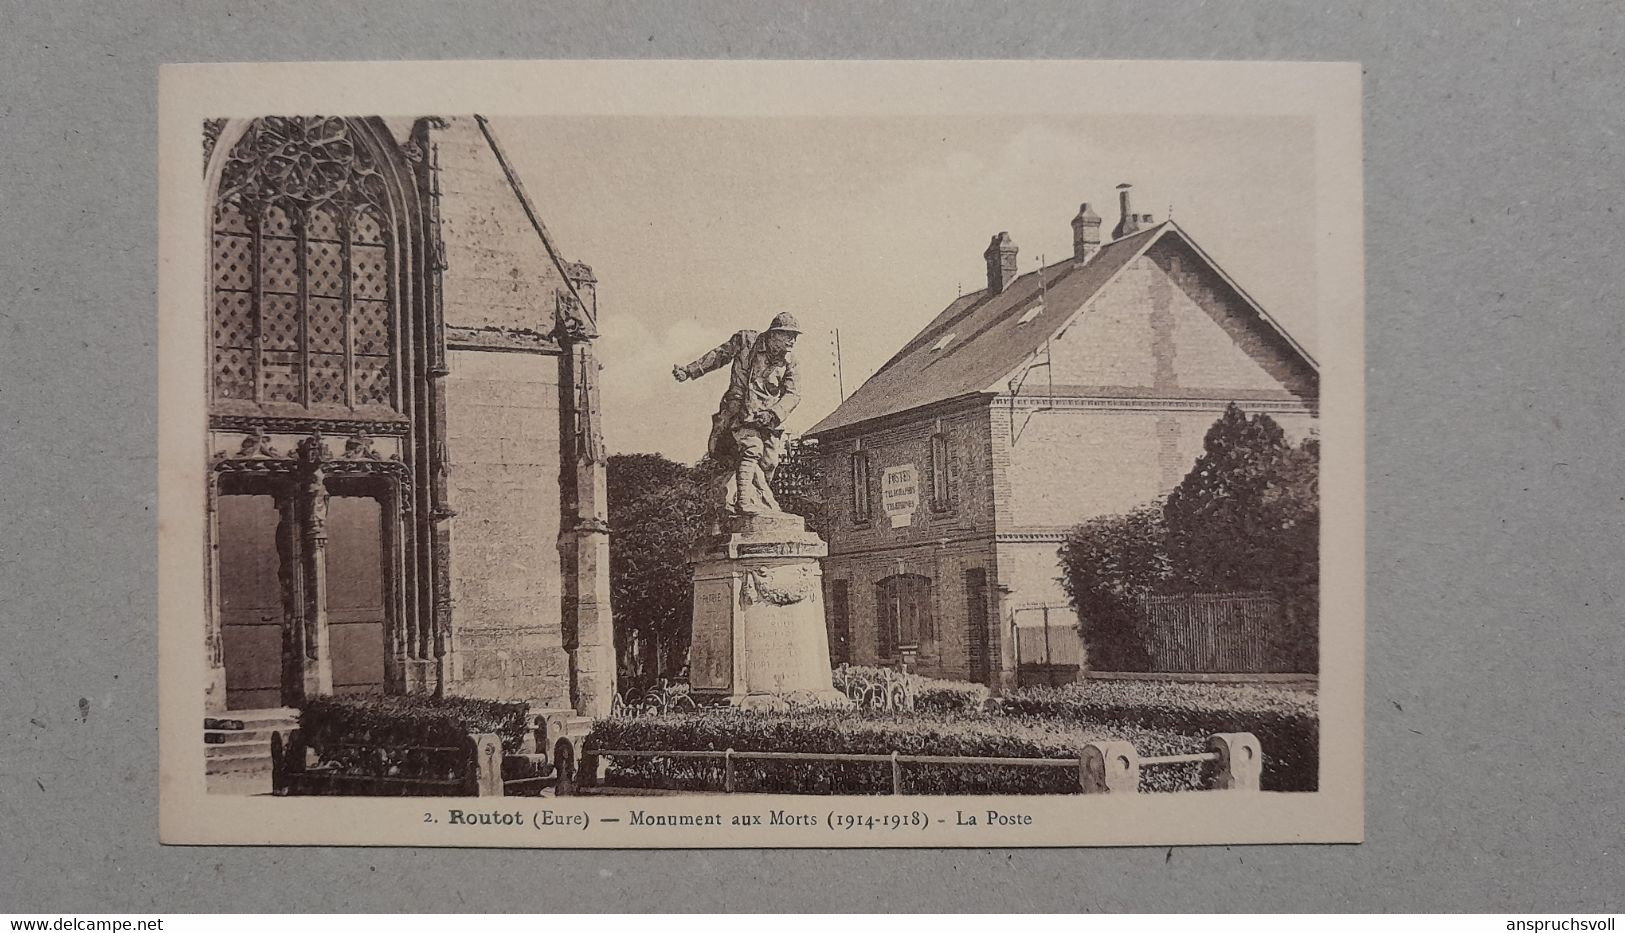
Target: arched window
303 275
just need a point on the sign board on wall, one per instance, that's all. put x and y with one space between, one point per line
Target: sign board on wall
900 494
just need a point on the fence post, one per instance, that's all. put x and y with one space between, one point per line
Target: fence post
1240 762
486 765
594 770
287 763
728 771
564 768
279 769
896 775
1109 768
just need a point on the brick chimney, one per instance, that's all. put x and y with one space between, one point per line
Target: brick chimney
1001 263
1130 222
1085 233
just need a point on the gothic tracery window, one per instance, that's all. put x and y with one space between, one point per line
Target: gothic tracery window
303 297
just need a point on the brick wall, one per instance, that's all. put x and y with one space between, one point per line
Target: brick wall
1072 464
969 462
1162 350
939 543
1031 571
1169 323
946 650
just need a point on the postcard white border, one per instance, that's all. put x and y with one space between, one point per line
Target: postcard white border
1328 93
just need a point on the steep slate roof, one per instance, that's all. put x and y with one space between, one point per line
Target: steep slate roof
987 343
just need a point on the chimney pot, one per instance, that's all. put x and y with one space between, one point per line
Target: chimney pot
1130 222
1085 233
1001 262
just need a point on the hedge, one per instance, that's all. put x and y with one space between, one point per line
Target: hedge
396 720
1286 722
860 732
950 696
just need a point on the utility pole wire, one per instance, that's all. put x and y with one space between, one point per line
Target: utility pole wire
840 373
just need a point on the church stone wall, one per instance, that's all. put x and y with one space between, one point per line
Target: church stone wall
498 273
502 443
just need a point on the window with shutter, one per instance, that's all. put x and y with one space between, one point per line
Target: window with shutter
941 486
885 622
861 504
840 623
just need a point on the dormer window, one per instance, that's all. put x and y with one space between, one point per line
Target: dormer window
943 343
1030 313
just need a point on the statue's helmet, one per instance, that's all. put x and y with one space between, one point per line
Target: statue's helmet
786 322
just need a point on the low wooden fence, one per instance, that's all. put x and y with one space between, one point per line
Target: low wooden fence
1103 767
1214 632
474 768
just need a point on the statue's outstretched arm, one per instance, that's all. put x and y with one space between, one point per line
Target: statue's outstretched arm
712 360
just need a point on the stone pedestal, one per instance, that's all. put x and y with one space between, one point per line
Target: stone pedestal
759 639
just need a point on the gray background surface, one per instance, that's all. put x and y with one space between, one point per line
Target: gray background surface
1495 208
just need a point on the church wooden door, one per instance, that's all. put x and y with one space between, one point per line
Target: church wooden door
357 590
251 602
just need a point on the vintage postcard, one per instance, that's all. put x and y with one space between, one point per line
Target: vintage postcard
735 454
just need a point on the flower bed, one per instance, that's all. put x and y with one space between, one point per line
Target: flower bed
1286 721
926 693
977 735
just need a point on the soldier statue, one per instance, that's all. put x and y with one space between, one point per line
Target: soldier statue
747 432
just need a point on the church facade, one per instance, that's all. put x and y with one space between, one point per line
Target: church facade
406 474
1048 398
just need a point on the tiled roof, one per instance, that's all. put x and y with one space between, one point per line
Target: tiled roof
987 341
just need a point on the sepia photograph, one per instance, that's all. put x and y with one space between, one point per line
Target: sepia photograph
746 458
883 478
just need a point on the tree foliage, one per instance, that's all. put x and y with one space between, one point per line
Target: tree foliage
1107 564
657 515
1245 518
1247 515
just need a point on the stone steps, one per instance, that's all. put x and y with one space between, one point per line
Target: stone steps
238 742
245 719
254 760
